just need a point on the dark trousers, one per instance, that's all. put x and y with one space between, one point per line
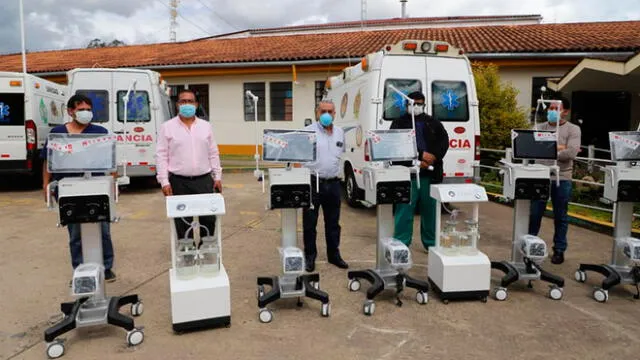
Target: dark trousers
329 199
75 245
181 185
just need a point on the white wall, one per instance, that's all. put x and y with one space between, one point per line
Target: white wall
226 104
522 79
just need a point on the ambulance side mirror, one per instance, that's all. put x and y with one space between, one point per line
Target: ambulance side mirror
308 122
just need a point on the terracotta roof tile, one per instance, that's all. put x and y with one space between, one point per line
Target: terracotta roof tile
540 38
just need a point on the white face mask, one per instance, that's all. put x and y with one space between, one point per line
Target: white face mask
418 109
84 116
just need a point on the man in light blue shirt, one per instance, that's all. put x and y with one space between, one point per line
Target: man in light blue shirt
330 146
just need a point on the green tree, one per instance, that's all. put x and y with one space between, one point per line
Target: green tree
98 43
499 111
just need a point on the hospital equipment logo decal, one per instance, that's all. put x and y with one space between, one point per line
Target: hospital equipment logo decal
356 104
450 100
343 105
4 112
399 102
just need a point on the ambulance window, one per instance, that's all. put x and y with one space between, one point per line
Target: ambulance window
394 103
137 107
450 101
100 107
11 109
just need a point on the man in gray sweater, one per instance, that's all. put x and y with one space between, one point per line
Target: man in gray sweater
569 135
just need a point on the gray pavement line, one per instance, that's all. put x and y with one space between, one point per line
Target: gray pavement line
603 319
375 329
32 345
396 348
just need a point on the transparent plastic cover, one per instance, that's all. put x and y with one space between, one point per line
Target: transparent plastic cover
81 153
392 145
534 144
625 145
289 145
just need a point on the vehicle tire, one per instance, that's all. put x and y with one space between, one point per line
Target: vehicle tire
352 194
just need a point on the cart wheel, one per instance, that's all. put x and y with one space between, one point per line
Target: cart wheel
500 294
555 293
422 297
325 311
135 337
137 308
601 295
55 349
369 307
265 316
354 285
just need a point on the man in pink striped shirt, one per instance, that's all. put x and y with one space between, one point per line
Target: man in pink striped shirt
187 158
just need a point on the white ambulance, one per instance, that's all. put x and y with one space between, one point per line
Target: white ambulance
364 101
29 108
148 107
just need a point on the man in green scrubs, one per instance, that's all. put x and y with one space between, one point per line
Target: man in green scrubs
432 141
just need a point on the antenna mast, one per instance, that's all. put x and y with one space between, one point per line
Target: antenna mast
174 22
363 12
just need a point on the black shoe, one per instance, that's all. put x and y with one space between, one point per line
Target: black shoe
337 261
310 265
557 258
109 276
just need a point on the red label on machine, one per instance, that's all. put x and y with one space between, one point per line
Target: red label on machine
135 138
626 141
460 144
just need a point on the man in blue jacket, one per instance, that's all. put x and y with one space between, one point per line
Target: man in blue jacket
79 109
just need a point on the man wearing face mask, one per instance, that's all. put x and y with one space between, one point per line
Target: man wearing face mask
432 143
188 159
569 135
330 146
79 108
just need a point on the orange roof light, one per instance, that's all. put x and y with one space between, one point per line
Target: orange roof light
442 48
15 83
410 46
364 64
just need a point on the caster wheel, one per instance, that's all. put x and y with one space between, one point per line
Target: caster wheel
369 307
135 337
265 316
354 285
580 276
137 309
260 292
483 299
601 295
55 349
325 311
445 301
422 297
299 303
555 293
500 294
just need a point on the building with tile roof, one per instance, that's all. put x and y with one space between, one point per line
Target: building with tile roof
288 66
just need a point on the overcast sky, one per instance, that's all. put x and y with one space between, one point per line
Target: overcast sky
58 24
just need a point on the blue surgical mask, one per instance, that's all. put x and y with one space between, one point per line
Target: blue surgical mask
187 110
553 116
326 119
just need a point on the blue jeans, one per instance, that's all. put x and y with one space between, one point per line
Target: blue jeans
75 245
560 196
